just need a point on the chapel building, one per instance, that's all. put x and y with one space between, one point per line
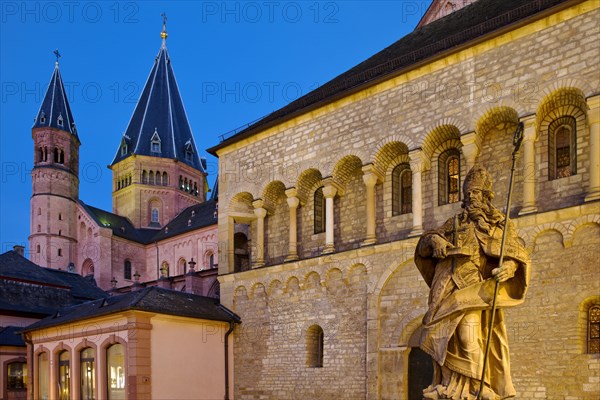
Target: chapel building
319 263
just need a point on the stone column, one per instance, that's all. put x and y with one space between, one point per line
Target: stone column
470 148
529 167
260 213
293 202
371 178
593 192
419 162
329 192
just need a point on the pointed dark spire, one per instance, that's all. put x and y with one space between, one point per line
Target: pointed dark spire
159 126
55 111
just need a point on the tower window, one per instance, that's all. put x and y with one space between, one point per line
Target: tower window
43 118
155 142
60 252
59 120
154 215
319 211
124 149
37 249
59 216
61 157
56 160
144 177
151 178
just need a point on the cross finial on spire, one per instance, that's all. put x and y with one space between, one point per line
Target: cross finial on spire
57 54
163 34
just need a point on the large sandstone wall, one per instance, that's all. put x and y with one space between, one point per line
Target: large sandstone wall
546 69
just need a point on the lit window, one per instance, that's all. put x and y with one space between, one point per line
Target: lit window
154 215
594 329
319 211
401 189
115 371
43 384
562 148
87 363
314 347
449 177
64 375
16 376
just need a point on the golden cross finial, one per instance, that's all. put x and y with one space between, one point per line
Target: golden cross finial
57 54
163 34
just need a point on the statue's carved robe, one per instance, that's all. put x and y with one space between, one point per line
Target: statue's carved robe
460 283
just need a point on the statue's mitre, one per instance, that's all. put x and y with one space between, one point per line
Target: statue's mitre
478 178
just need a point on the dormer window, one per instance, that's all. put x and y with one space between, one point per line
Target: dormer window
43 118
189 151
124 149
155 142
59 120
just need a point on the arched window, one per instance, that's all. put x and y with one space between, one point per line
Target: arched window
64 376
165 179
61 157
55 155
154 215
37 248
562 151
164 269
144 177
87 362
45 153
401 189
151 178
195 189
319 211
41 155
181 182
59 250
241 254
314 347
182 266
449 177
594 329
43 383
115 371
211 261
127 270
16 376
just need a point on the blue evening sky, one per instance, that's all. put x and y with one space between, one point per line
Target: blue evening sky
234 62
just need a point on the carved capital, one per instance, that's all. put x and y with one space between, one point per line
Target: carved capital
530 132
419 161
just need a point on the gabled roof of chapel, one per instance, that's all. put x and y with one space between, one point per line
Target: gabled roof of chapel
159 116
55 111
424 44
151 299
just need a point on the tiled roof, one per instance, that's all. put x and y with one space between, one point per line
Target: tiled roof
456 29
192 218
28 289
9 336
160 115
151 299
55 111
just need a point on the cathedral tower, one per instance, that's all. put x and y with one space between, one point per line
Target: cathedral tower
157 171
55 179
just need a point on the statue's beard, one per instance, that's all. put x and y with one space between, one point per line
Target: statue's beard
483 214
